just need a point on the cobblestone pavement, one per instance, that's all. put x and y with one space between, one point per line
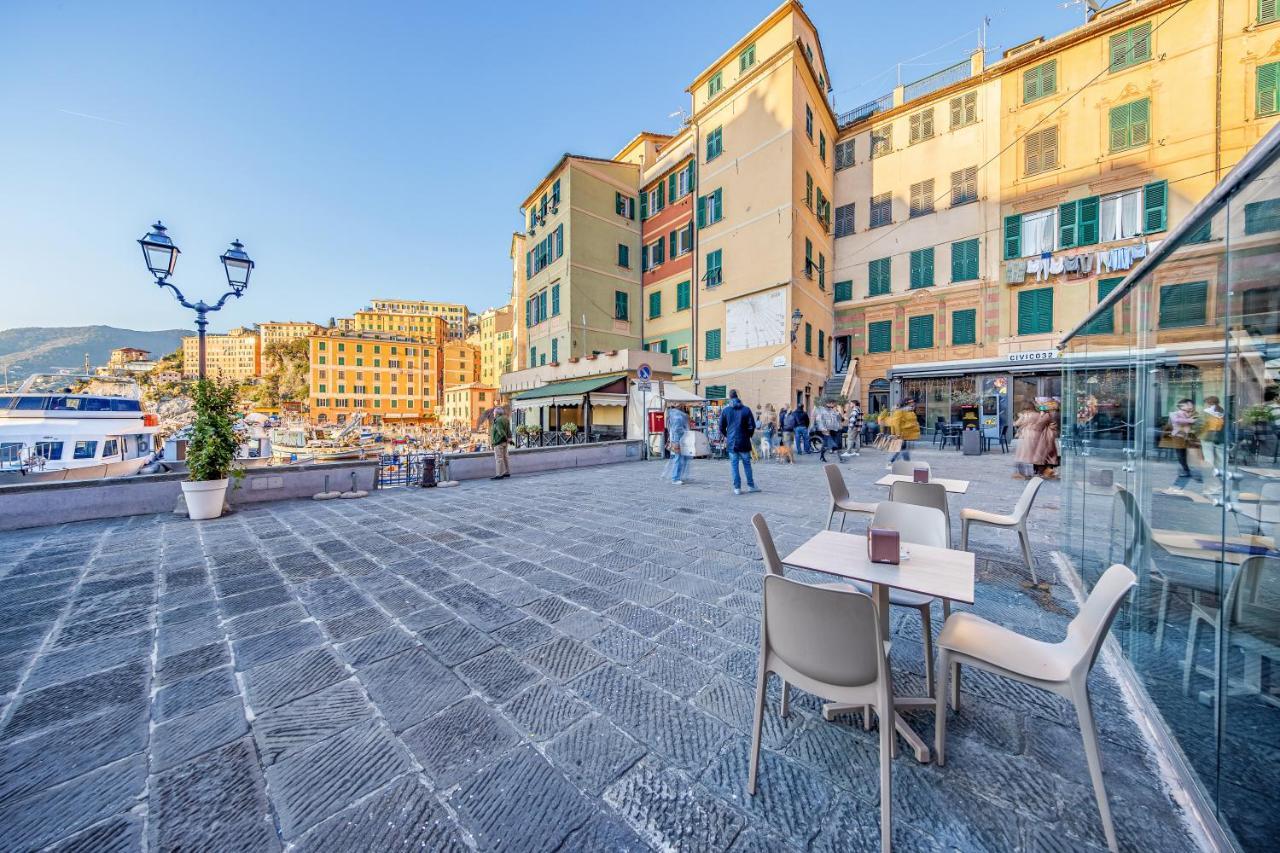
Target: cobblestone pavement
554 662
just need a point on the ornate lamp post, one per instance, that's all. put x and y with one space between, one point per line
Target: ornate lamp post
796 317
161 256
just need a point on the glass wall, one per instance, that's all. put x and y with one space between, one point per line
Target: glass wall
1171 449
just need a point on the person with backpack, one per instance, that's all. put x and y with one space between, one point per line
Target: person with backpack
737 425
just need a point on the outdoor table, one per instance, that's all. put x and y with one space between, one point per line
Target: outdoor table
1194 546
958 487
937 572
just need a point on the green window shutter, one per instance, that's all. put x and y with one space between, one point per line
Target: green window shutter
644 205
718 195
1155 204
617 203
920 332
922 268
1262 216
682 296
1184 304
1087 227
1104 323
1012 237
702 211
671 249
964 327
808 338
671 187
1140 122
964 260
1068 224
715 392
1203 234
555 301
880 336
555 349
712 347
1035 311
879 277
822 344
1267 11
1267 85
655 304
620 307
624 255
843 291
1130 47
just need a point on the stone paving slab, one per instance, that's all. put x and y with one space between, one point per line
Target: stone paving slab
420 670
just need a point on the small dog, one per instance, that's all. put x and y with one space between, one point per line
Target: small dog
784 454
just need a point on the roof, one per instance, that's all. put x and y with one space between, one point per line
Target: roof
569 386
564 158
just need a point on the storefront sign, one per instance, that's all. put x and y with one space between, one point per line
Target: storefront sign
1033 355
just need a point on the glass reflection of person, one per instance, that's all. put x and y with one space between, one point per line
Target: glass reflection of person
1213 422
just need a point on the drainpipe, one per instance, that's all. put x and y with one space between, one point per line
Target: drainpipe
1217 93
695 296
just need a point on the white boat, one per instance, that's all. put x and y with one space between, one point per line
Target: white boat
65 427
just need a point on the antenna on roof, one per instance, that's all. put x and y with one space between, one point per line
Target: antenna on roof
679 115
1091 7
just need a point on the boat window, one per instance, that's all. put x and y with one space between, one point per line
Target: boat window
9 450
111 448
50 450
86 449
5 402
30 403
118 405
144 444
64 403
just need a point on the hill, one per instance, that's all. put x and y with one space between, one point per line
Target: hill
37 349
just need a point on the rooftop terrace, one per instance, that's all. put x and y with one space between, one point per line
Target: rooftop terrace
555 662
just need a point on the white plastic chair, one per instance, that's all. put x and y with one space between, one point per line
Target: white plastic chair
905 467
841 502
826 641
1061 668
1253 626
923 494
1017 520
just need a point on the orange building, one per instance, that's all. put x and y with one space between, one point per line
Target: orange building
388 378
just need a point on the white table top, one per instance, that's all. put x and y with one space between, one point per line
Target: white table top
958 487
939 572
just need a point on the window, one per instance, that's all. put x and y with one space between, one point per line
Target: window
844 220
555 300
964 260
921 125
1030 234
1040 81
843 291
822 344
620 307
681 241
1040 151
680 184
624 206
1035 311
1262 216
1119 216
747 58
964 186
715 392
823 210
652 201
682 296
710 208
822 271
624 256
1129 125
714 274
680 355
808 190
714 85
715 143
555 349
1130 47
808 122
712 347
822 146
50 450
654 254
922 198
808 258
920 332
808 338
878 277
881 210
1105 322
922 268
881 141
655 304
1183 304
1155 207
111 448
1268 83
844 154
1267 11
880 336
1078 222
964 110
964 327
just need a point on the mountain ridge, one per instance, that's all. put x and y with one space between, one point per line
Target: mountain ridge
44 349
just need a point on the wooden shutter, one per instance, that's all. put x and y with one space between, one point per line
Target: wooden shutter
926 267
673 245
879 281
1266 11
1012 237
644 205
1140 122
1104 322
617 204
957 112
1035 311
1049 77
1119 49
682 296
964 326
1068 224
843 291
1087 228
1155 204
844 220
713 344
655 304
880 336
1183 304
920 332
1118 128
964 260
915 275
702 211
1030 85
1267 85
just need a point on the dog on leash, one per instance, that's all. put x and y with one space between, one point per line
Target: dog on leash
783 453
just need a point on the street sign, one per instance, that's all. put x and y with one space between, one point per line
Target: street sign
644 385
644 371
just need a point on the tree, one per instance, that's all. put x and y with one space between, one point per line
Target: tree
286 372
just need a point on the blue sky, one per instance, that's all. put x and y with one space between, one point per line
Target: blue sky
358 154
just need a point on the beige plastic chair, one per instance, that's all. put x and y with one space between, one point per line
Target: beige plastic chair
1061 668
923 494
840 500
1017 520
826 641
1253 626
906 467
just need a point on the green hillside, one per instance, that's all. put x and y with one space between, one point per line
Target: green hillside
38 349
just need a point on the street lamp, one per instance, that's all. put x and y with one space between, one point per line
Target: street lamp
161 255
796 317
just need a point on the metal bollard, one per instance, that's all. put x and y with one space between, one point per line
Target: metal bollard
428 473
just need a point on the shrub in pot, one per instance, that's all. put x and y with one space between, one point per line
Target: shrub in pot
211 450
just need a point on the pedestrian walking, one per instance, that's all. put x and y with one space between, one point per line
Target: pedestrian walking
905 426
1213 424
802 430
737 425
1182 422
1026 431
499 438
677 428
853 435
827 423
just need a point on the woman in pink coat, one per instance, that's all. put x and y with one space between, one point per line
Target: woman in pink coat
1027 435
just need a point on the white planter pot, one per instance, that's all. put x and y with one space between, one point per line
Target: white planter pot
204 498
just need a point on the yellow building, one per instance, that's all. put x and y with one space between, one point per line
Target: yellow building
273 332
464 404
406 316
233 357
407 323
493 338
121 357
387 378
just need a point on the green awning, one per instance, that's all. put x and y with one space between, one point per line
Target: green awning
569 387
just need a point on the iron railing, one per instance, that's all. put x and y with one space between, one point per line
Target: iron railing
406 469
937 80
556 438
866 111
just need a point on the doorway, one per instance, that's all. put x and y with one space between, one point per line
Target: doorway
1026 389
840 353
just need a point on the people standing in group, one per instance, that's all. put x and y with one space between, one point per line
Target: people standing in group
1182 423
1211 441
677 427
737 425
802 430
827 423
905 426
788 422
769 427
499 438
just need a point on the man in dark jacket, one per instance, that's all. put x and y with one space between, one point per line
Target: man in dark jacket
499 438
737 425
802 430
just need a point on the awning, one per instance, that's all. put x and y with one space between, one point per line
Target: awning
568 387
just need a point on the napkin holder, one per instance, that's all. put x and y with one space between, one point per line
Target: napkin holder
883 546
920 475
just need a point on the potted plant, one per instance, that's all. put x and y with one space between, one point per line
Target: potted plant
570 429
211 451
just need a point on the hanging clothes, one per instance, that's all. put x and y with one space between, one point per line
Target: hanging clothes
1057 265
1015 272
1071 265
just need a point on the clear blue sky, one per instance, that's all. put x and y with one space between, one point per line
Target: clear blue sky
358 153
